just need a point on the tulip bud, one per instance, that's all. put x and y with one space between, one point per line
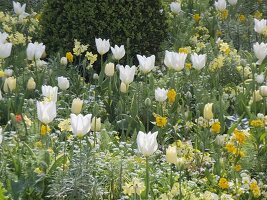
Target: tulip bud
263 91
95 76
63 83
148 102
76 106
31 85
171 155
123 87
96 124
10 84
207 113
257 94
64 61
109 69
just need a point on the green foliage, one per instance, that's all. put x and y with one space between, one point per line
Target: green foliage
140 22
35 5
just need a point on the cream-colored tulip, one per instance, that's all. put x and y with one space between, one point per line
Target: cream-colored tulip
171 154
31 85
76 106
123 87
10 84
96 124
109 69
207 113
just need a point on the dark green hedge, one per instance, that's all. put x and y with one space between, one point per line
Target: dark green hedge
141 21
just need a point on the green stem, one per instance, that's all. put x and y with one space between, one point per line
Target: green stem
147 178
171 177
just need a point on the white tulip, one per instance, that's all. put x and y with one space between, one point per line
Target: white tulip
263 91
161 94
80 124
147 143
171 154
260 25
46 111
175 60
232 2
260 51
76 106
5 50
127 74
3 37
259 78
102 46
109 69
64 61
221 139
31 85
96 124
175 7
220 5
63 83
18 9
199 61
118 52
146 64
35 51
8 72
50 93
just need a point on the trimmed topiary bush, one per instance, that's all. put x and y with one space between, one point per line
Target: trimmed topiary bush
142 22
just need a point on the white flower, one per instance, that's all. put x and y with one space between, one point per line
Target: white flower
5 50
49 92
146 64
8 72
161 94
127 74
259 78
260 25
63 83
175 7
260 51
80 124
118 52
41 63
10 84
3 37
171 154
18 9
232 2
220 5
175 60
109 69
63 61
35 51
263 90
1 136
46 111
102 46
76 106
199 61
31 85
123 87
96 124
147 143
220 139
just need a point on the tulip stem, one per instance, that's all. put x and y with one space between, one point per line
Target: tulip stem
147 178
171 178
264 105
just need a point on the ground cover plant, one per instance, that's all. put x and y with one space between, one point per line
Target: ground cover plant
99 120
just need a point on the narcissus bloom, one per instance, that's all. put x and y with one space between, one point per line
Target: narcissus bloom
147 143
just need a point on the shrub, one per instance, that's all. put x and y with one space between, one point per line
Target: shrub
142 22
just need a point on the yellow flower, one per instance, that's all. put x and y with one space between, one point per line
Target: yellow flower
223 183
161 121
257 123
239 136
237 168
255 189
69 57
91 57
184 50
230 148
258 15
79 48
216 127
39 144
65 125
38 170
224 47
219 33
242 18
224 14
188 66
196 17
171 95
2 73
45 129
135 186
